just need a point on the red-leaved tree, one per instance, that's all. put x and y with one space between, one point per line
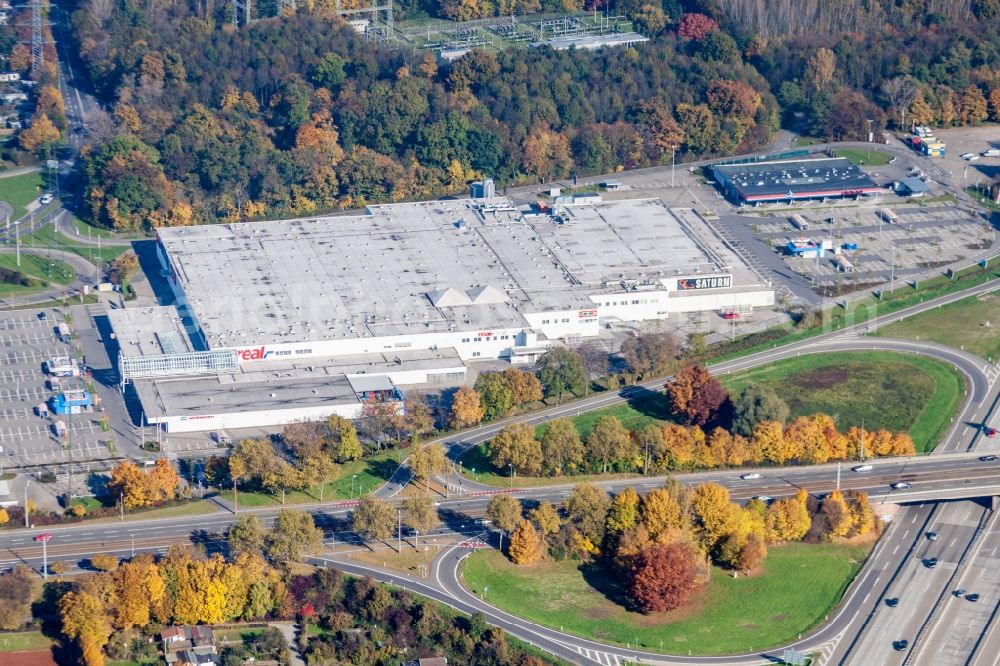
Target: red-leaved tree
696 26
697 397
663 577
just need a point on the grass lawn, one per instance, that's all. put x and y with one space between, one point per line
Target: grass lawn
862 156
24 641
886 389
982 199
21 190
960 324
48 237
237 634
408 561
37 266
356 478
731 616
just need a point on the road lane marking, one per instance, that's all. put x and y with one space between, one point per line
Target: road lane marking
894 550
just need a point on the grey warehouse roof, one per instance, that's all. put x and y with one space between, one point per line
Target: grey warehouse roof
419 267
777 179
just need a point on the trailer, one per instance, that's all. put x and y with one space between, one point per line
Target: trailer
799 222
886 215
843 263
62 366
75 401
63 332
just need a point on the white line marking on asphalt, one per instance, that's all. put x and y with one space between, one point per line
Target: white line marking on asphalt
952 542
914 520
895 549
865 600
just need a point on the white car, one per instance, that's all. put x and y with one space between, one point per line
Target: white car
974 158
751 476
862 468
763 498
966 156
901 485
45 199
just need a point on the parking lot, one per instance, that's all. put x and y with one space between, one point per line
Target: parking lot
28 437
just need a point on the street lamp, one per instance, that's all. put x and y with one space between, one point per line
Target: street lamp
511 465
673 151
352 485
44 540
870 139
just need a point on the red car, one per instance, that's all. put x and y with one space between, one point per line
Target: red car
730 315
990 432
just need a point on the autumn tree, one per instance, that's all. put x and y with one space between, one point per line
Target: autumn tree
294 533
622 515
104 562
787 519
494 394
696 396
426 461
609 445
649 354
663 577
586 510
863 518
246 535
163 481
715 514
374 519
696 26
466 408
525 545
504 511
129 484
343 443
17 590
836 514
770 444
546 517
420 514
418 418
379 419
661 513
546 153
754 404
562 450
524 386
516 447
84 620
40 136
560 371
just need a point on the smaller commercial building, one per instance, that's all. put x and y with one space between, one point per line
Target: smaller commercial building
74 401
792 180
806 248
910 187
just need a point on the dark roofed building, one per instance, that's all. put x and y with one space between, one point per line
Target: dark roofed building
788 180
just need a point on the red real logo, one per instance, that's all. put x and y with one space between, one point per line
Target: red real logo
255 354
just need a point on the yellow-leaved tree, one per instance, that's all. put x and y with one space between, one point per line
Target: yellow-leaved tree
525 544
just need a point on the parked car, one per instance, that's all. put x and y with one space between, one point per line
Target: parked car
42 316
932 536
931 562
862 468
974 158
45 199
750 477
966 156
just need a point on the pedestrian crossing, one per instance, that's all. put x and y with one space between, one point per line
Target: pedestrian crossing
599 657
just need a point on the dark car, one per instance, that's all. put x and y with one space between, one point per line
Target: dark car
892 602
901 645
42 316
989 458
960 592
931 562
972 597
932 536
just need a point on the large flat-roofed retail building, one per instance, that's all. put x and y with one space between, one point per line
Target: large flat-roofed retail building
419 289
789 180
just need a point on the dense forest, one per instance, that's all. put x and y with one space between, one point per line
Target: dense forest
298 114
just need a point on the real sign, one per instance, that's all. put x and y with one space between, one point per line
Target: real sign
253 354
708 282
